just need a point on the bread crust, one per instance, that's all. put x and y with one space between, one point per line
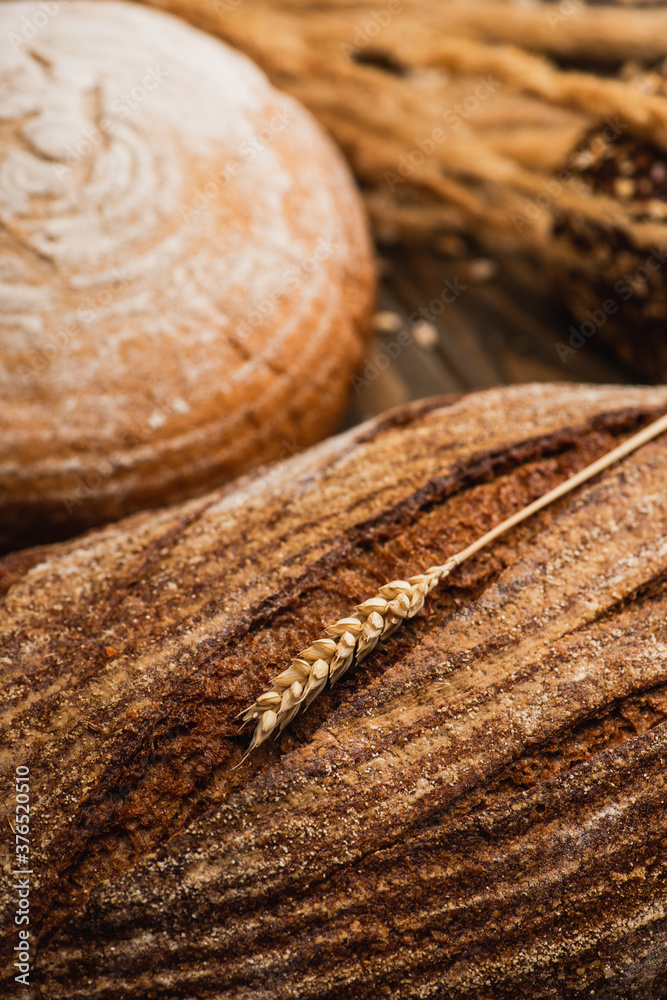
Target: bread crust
189 277
476 810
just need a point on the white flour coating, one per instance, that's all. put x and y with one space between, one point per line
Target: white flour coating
116 295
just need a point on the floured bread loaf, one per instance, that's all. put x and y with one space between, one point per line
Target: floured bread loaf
186 273
478 809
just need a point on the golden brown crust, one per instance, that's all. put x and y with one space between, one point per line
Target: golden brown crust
190 278
476 810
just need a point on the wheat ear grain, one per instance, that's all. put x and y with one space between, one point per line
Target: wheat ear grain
350 640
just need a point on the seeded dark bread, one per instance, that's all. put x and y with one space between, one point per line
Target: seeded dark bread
478 809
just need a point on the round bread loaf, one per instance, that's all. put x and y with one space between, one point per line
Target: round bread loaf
476 810
186 272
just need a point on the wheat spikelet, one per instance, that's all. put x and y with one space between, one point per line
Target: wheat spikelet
350 640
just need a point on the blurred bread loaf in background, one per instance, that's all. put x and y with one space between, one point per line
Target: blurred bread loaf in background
186 272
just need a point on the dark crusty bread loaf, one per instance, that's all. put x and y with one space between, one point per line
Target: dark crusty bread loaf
477 810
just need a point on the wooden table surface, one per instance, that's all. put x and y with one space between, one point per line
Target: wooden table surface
451 322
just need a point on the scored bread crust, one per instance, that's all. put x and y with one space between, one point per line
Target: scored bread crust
476 810
187 274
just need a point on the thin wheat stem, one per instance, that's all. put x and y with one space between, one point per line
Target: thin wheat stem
351 639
